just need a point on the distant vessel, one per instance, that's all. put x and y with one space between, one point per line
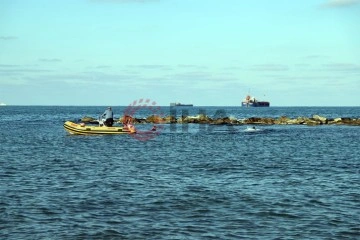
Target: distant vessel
2 104
253 102
177 104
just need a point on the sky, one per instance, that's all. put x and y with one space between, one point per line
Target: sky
204 52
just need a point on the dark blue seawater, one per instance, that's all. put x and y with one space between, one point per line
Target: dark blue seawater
189 182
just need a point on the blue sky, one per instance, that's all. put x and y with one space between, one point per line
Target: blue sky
205 52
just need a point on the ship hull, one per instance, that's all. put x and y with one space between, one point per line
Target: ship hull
180 105
255 104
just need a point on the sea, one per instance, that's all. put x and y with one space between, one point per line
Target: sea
183 181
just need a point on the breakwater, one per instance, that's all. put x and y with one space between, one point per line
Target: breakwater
204 119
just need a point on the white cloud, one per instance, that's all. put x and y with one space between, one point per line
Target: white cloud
8 69
124 1
269 67
50 60
340 3
150 67
8 38
342 67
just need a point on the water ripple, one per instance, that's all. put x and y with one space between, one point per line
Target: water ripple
289 182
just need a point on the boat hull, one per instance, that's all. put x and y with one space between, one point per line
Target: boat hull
78 129
180 105
255 104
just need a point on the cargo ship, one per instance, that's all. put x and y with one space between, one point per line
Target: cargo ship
177 104
253 102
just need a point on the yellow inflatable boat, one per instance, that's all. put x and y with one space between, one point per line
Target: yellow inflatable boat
83 129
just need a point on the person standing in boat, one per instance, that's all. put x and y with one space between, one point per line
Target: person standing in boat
109 117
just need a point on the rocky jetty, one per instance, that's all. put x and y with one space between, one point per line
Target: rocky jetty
283 120
204 119
87 119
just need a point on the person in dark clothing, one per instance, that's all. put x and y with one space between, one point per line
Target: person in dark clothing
109 117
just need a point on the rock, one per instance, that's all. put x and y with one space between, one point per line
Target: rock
268 120
190 119
323 120
88 119
221 121
282 120
346 120
241 121
154 119
218 121
180 120
337 120
292 121
204 118
169 119
350 121
312 122
201 118
301 120
334 121
252 120
233 120
139 120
